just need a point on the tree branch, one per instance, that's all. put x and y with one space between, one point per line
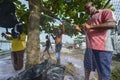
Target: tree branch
49 12
107 3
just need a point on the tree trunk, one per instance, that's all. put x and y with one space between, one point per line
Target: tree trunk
33 40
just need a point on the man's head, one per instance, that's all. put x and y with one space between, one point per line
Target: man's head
90 8
47 37
55 30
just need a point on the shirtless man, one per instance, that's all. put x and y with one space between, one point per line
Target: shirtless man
58 41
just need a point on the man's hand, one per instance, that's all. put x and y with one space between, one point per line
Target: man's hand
3 34
76 27
86 26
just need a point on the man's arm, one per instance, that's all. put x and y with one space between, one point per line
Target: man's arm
7 36
108 21
63 28
53 36
107 25
50 43
77 28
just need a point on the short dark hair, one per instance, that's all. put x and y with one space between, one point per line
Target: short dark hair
46 36
89 4
92 3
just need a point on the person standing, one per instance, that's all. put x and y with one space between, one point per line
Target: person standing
18 45
47 46
98 54
58 41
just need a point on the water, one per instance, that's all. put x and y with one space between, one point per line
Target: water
5 46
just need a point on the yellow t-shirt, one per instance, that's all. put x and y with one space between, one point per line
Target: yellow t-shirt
18 43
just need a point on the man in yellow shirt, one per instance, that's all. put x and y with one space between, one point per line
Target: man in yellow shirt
17 49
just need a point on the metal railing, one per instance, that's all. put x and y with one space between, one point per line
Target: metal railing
116 36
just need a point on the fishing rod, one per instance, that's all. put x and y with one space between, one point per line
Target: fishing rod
89 44
57 19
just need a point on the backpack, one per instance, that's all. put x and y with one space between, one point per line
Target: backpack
8 18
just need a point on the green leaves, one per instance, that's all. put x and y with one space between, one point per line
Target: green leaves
67 11
22 14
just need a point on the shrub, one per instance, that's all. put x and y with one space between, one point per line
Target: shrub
115 74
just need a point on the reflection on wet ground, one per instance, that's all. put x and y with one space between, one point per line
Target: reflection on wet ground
6 68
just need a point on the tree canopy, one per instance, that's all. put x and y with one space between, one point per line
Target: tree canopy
70 11
56 11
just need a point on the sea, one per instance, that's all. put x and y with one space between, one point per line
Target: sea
5 46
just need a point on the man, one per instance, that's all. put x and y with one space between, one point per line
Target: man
48 44
58 41
99 49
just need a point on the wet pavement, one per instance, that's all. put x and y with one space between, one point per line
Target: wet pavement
6 67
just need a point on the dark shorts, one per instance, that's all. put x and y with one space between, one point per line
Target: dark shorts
100 60
46 48
18 59
58 47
